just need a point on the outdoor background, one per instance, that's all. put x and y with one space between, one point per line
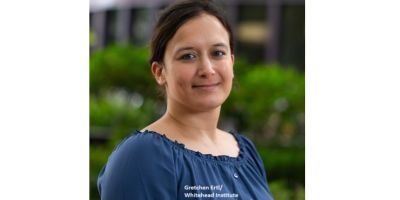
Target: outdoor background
266 104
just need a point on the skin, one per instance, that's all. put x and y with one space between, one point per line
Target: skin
197 74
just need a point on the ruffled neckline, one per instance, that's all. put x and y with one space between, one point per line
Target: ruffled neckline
219 158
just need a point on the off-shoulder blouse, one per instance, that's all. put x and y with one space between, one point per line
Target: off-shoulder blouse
148 165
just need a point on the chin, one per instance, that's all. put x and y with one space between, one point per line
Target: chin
208 104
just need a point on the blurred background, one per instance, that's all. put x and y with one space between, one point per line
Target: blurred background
266 103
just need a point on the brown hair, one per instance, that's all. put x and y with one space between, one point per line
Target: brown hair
173 17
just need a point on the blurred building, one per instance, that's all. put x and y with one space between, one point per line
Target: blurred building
269 31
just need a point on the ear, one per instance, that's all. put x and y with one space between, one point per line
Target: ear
157 70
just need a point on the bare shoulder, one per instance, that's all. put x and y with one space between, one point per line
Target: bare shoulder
162 128
228 140
155 127
226 135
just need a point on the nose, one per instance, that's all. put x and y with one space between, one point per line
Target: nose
206 67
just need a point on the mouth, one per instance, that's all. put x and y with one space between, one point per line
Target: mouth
206 85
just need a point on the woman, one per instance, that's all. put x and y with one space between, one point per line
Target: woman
183 155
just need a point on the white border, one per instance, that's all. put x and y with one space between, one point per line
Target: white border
352 100
44 103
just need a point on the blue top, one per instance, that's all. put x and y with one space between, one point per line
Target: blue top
148 165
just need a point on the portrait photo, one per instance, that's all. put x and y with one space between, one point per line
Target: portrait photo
197 99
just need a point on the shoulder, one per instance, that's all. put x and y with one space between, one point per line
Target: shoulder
140 162
141 148
252 153
140 143
246 142
248 145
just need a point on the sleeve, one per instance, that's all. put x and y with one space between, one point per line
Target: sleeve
138 169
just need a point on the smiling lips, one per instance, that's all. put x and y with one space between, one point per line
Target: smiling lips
209 85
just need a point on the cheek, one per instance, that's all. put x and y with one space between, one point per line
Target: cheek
181 77
228 75
228 71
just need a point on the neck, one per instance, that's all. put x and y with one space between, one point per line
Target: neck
193 124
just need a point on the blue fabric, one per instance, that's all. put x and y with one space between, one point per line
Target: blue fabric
148 165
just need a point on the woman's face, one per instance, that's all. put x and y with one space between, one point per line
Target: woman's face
198 64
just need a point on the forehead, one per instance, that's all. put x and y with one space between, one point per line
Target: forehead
202 30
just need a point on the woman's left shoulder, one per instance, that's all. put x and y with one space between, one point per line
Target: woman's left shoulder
251 151
243 140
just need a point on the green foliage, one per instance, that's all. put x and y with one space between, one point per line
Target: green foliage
284 163
122 67
98 157
269 101
266 104
118 110
282 191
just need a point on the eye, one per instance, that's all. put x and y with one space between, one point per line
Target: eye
218 54
188 56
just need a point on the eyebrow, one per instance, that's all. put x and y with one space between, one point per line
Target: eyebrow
191 48
220 45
